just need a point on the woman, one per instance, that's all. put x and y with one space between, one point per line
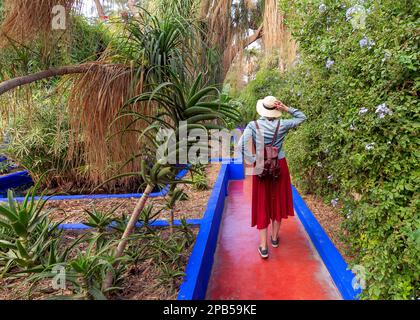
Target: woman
271 196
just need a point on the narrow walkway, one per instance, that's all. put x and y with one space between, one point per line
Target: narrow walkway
294 271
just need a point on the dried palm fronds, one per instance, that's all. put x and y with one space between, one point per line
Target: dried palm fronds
95 101
26 19
276 37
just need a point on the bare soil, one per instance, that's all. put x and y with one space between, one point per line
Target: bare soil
193 208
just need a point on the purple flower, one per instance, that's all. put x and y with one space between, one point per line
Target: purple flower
322 8
363 111
350 11
334 202
330 178
365 42
329 63
382 110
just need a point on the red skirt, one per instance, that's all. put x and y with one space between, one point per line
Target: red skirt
272 199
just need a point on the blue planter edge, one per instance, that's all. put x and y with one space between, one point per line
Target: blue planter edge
200 263
332 258
157 223
17 179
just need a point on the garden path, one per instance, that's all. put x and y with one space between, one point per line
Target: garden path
294 271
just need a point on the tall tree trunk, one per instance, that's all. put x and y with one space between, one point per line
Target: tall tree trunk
100 9
132 6
128 231
231 51
277 39
20 81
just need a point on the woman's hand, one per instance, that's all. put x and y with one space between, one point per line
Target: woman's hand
281 106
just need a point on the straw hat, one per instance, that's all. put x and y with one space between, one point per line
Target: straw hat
266 108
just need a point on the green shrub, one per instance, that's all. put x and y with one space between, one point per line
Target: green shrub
344 152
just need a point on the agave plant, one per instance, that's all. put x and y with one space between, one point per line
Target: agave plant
199 179
28 236
85 272
100 220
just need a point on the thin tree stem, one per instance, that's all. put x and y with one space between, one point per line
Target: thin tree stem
128 231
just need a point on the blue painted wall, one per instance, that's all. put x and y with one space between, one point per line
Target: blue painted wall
332 258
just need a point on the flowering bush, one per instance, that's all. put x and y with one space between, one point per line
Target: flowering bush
360 145
359 148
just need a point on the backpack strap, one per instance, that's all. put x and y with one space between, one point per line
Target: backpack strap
257 125
275 134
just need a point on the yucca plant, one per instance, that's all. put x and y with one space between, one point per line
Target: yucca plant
169 273
179 106
186 232
101 222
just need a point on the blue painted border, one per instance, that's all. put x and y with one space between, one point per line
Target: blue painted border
17 179
200 263
157 223
14 180
332 258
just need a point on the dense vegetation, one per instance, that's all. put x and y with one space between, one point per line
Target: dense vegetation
358 84
356 78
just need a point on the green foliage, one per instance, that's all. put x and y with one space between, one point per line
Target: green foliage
179 106
83 42
41 143
368 160
4 167
100 220
84 272
199 178
266 83
28 239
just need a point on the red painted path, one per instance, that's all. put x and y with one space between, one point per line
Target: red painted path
294 271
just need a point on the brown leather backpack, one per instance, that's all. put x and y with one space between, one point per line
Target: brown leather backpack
271 154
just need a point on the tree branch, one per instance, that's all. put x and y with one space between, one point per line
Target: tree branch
231 52
20 81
